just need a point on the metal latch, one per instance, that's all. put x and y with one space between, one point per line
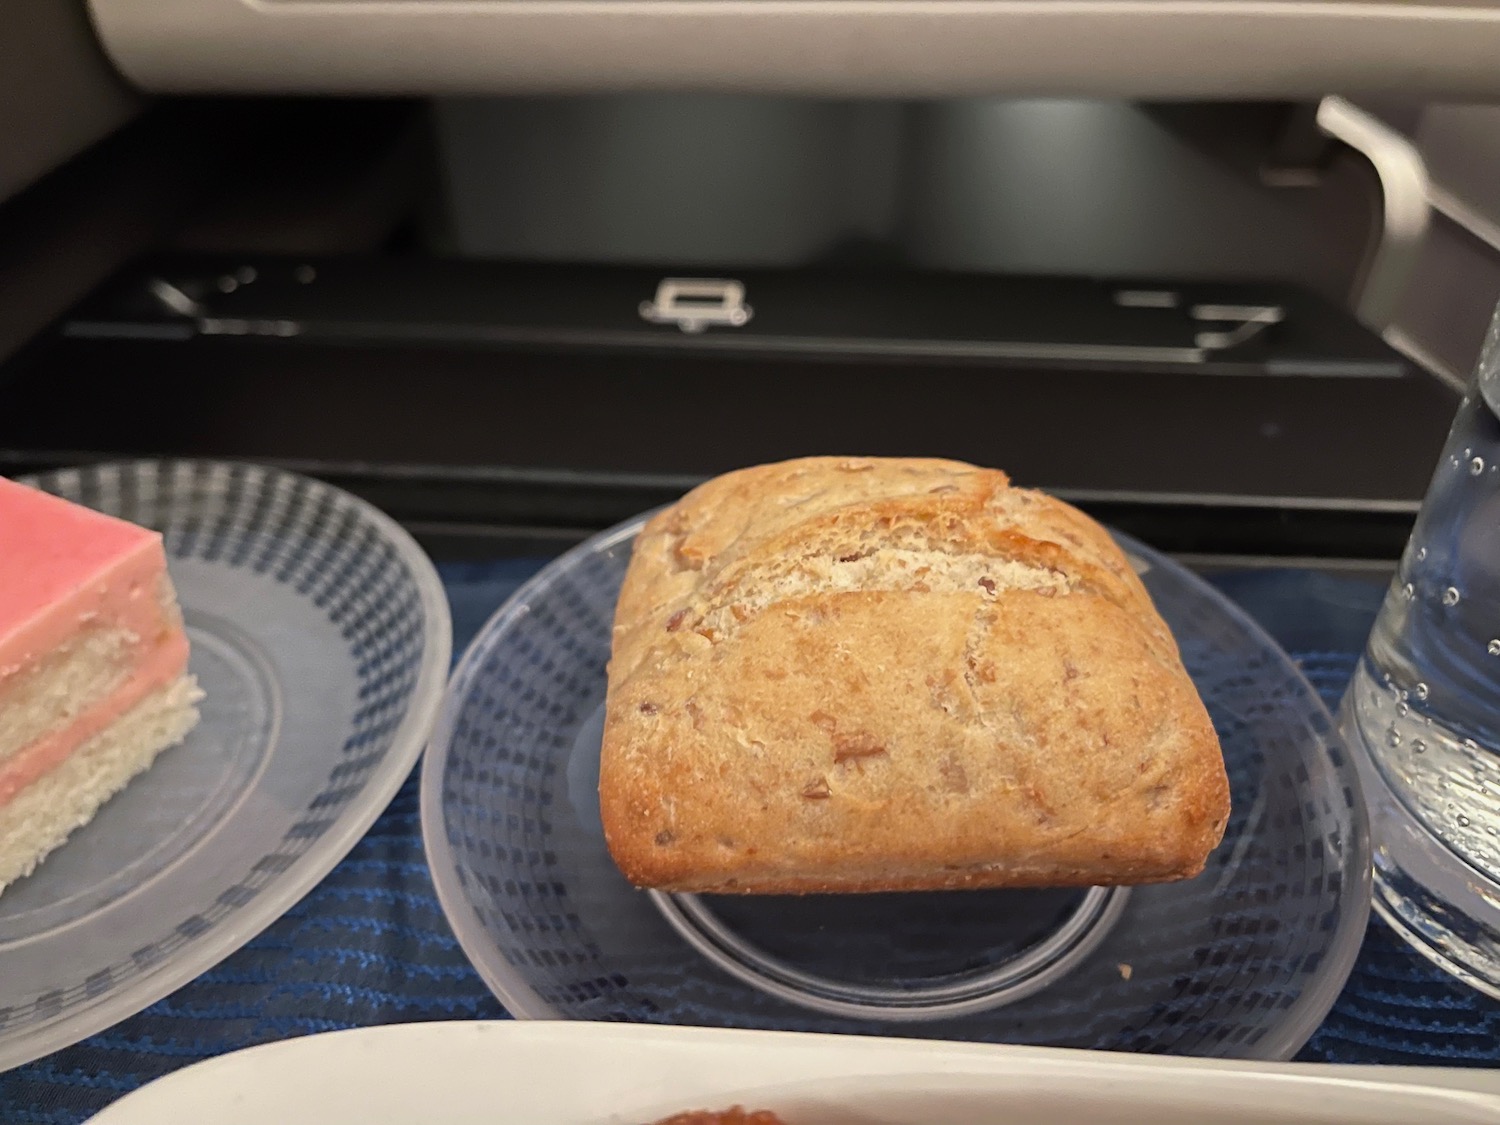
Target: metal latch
694 304
1253 320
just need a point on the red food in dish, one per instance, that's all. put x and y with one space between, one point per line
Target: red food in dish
735 1115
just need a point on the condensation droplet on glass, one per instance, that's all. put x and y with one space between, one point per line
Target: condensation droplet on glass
1408 591
1470 744
1418 746
1402 709
1463 821
1395 737
1494 647
1476 466
1451 596
1421 690
1421 554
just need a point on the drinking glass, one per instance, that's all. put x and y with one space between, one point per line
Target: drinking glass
1422 714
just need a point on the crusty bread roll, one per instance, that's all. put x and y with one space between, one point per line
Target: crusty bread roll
861 674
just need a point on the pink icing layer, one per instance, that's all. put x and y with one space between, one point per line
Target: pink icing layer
63 569
58 561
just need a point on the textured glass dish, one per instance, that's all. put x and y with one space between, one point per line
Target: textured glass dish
321 637
1244 960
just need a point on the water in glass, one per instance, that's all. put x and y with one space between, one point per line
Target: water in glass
1422 714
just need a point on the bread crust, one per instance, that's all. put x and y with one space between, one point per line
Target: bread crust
843 674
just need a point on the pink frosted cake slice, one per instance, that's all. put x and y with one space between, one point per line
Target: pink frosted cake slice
93 668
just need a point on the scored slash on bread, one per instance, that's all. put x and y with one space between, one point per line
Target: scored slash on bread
867 674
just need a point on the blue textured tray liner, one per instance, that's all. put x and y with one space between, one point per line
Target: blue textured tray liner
369 945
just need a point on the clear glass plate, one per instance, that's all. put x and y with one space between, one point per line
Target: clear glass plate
1243 961
321 638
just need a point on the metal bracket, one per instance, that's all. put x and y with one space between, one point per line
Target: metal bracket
1405 190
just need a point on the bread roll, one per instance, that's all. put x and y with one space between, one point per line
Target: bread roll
858 674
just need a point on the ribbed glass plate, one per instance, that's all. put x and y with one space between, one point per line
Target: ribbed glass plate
321 638
1244 960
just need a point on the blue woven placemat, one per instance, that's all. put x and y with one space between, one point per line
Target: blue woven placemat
369 945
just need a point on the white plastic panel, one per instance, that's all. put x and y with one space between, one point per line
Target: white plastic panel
911 48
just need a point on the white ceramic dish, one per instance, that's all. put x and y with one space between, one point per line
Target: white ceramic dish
321 637
546 1073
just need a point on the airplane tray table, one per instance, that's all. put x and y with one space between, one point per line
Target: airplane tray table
370 945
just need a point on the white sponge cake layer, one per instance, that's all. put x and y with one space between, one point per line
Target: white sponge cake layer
62 686
44 814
